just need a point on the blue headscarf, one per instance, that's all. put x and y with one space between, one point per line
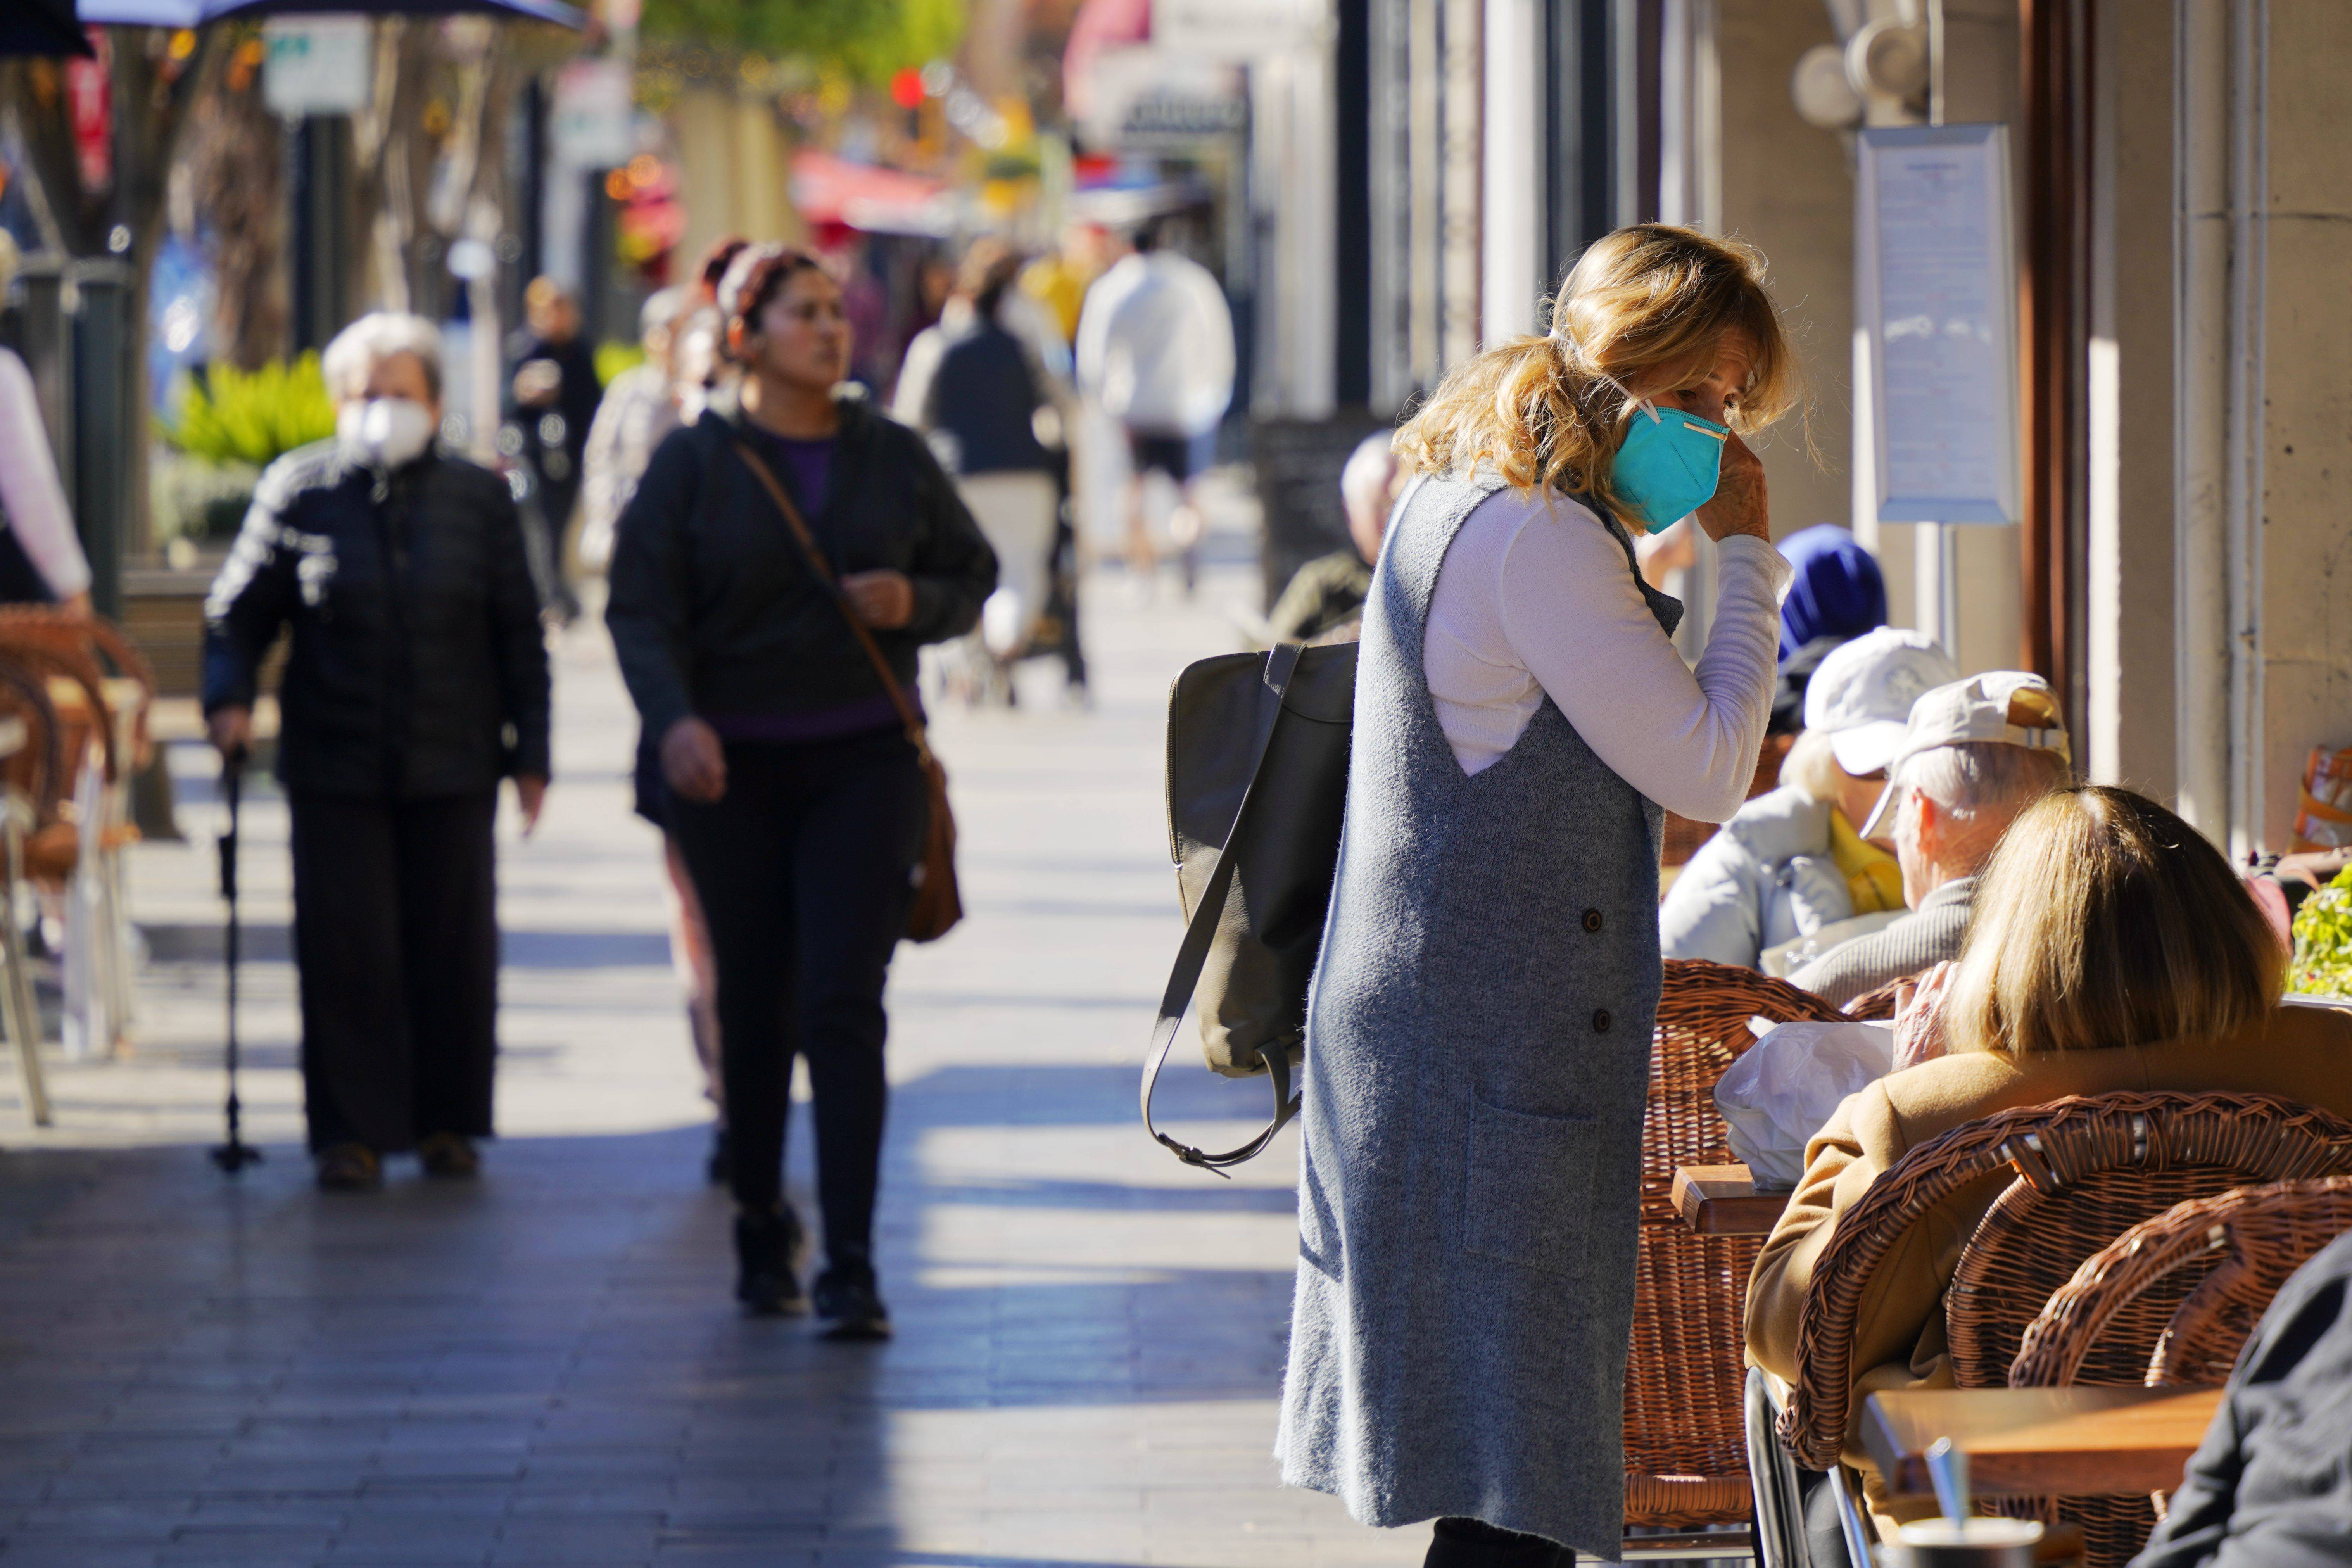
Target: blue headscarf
1838 591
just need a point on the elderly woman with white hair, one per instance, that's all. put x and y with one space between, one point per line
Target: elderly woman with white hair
418 680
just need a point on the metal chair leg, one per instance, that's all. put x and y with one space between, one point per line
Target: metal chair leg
16 1000
1772 1476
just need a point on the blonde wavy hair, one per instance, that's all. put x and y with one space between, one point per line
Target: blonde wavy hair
1647 306
2104 920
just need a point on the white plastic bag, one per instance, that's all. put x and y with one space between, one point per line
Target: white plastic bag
1777 1095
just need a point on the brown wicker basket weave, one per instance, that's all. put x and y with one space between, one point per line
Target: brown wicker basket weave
2212 1265
1686 1443
1877 1006
2171 1300
2072 1176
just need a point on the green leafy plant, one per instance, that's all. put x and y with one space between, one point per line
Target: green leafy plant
230 415
2323 942
865 39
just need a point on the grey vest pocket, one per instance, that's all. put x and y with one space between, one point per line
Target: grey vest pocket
1529 1186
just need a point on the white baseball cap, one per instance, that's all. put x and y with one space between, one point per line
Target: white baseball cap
2014 706
1861 694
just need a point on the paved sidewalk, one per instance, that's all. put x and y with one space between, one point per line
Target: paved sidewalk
545 1367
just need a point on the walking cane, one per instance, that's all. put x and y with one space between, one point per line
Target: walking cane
236 1154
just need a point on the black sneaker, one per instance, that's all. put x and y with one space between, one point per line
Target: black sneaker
849 1308
451 1156
765 1247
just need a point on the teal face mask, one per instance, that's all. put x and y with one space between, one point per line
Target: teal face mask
1668 467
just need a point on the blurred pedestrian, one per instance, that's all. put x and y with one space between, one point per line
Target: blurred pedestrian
1838 594
418 679
791 784
987 385
1060 279
1156 347
698 369
555 394
639 408
41 559
1325 599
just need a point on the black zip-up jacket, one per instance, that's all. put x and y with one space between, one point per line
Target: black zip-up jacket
713 608
419 665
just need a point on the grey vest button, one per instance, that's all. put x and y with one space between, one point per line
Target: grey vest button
1592 919
1601 1021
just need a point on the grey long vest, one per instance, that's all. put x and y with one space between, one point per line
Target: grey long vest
1477 1057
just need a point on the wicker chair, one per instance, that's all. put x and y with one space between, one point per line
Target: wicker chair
2173 1299
31 779
2072 1176
1685 1450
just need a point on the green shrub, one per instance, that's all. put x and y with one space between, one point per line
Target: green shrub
230 415
2323 942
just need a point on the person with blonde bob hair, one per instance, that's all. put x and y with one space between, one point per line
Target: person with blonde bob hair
1478 1038
2112 949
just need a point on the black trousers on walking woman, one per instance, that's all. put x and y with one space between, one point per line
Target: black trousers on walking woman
396 936
803 867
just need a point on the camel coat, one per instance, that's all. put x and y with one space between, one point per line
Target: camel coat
2301 1053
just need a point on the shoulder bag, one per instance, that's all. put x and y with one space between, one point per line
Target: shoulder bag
1257 786
938 902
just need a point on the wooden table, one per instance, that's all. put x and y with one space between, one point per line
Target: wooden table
2038 1442
1722 1200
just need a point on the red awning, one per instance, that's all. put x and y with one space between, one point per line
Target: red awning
827 189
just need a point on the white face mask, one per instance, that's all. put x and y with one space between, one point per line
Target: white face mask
386 431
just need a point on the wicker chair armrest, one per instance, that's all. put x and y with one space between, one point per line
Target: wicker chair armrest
27 688
1877 1004
2245 1222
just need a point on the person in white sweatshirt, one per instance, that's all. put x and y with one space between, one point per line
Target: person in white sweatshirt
46 561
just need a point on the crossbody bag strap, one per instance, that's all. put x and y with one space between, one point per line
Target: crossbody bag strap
817 564
1281 664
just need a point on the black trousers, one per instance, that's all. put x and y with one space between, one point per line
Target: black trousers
802 870
1474 1543
396 937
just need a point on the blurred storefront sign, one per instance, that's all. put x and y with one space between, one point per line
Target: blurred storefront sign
594 124
1149 98
1239 29
315 65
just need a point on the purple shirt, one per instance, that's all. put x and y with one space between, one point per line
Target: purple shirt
810 462
810 466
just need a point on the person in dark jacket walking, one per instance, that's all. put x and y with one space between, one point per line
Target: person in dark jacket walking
417 680
792 787
556 393
981 385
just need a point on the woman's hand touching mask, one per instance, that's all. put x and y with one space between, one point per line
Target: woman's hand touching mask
1738 503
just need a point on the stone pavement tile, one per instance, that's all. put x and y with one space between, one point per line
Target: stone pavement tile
83 1553
1090 1335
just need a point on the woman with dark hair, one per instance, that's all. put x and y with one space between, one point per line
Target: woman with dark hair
791 786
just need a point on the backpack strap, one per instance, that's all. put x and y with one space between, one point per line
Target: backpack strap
1281 664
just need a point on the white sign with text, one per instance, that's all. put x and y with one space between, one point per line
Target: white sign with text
1937 280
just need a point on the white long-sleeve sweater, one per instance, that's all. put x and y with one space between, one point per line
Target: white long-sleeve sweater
1534 600
29 491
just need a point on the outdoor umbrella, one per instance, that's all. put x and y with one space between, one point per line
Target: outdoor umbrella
41 28
196 13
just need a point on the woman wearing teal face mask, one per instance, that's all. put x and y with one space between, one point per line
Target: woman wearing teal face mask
1478 1042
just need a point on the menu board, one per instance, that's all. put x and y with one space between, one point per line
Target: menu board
1936 280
